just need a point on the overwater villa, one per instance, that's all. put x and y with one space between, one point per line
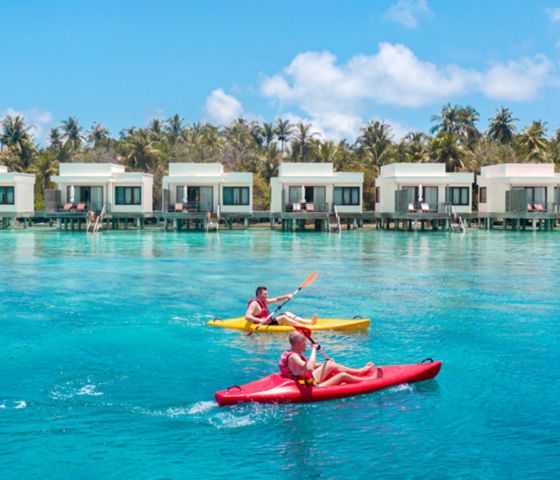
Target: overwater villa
314 191
423 192
82 187
204 194
422 188
17 196
518 188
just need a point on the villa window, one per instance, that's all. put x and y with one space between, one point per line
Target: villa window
377 194
534 194
458 196
128 196
347 195
236 195
482 195
6 195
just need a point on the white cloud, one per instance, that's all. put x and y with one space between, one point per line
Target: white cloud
553 14
39 121
516 80
408 12
335 96
223 108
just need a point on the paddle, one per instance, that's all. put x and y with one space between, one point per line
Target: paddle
308 281
307 333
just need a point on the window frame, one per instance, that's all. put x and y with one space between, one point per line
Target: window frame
240 202
352 202
460 202
131 201
5 194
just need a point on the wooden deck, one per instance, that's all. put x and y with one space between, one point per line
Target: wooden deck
289 221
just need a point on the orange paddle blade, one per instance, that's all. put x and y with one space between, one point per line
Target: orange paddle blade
304 331
309 280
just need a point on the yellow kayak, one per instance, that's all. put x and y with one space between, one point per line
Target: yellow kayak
322 324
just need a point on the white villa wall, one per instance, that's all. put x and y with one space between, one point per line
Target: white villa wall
109 176
314 175
24 191
208 175
499 179
395 176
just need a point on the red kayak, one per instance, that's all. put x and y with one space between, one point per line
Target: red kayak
278 389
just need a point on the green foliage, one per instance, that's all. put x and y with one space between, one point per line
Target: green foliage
259 148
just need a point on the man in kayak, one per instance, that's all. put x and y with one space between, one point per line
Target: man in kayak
257 311
293 364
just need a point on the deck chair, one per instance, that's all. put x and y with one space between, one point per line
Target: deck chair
67 207
81 207
309 207
425 207
411 208
297 207
539 207
178 207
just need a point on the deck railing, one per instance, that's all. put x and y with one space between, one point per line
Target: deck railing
309 207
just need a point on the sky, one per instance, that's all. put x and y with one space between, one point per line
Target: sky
334 64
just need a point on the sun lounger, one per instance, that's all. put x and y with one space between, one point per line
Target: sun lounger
81 207
178 207
425 207
539 207
297 207
411 208
531 207
67 207
309 207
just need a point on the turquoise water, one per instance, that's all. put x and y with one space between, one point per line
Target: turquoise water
107 369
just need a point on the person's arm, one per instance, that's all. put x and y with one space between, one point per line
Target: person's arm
298 365
279 299
250 313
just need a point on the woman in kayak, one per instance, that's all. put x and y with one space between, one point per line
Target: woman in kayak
293 364
257 311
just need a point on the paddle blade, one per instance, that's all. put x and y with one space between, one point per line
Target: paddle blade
309 280
304 331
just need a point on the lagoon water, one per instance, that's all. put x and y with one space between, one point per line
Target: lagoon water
108 370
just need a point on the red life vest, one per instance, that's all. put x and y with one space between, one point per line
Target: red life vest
304 379
264 308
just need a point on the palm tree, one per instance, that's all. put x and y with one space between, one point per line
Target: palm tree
44 166
448 120
268 133
374 142
445 148
284 131
501 128
533 142
174 128
302 141
72 132
15 137
98 135
141 152
155 130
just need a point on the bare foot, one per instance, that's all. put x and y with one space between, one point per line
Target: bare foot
314 319
366 368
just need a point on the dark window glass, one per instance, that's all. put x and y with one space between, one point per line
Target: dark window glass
482 195
6 195
236 195
459 196
347 195
377 194
128 196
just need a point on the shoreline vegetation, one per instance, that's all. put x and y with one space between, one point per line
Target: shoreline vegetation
249 146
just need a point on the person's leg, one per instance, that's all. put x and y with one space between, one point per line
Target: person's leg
344 377
331 367
288 318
